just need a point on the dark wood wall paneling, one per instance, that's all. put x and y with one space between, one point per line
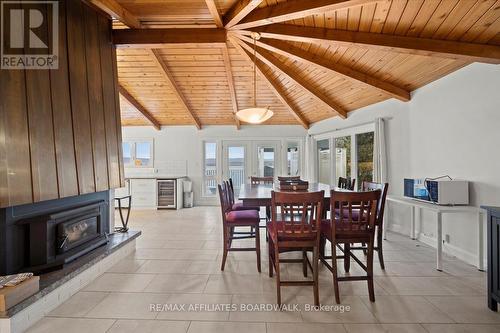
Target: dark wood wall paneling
60 130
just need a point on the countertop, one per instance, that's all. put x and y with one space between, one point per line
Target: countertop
156 176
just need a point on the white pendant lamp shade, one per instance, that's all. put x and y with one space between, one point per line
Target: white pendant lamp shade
254 115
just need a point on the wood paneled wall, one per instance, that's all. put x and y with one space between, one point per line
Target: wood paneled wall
60 130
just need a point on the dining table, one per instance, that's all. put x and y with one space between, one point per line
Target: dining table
260 195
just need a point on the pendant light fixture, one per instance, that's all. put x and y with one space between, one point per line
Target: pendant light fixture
255 114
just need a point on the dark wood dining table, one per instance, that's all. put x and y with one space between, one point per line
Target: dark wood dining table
260 195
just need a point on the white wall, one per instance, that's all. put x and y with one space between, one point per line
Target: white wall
186 143
450 126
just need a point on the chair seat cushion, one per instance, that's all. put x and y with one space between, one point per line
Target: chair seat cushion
239 206
284 231
345 230
355 213
243 217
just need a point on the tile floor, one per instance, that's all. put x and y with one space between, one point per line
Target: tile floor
177 262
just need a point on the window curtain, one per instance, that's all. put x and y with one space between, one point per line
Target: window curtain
310 159
379 153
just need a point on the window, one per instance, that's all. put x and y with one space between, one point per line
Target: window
138 153
210 169
293 159
343 157
364 150
324 161
265 160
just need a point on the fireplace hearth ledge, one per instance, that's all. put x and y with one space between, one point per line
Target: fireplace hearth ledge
58 286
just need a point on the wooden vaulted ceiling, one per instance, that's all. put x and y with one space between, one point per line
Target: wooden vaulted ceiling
189 62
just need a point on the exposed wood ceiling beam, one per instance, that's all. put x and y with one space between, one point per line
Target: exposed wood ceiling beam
392 43
116 11
296 53
156 38
295 9
295 77
239 10
212 8
230 82
135 103
171 81
280 94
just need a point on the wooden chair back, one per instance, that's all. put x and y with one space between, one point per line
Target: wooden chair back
347 183
383 187
224 200
288 178
296 214
355 212
230 191
261 180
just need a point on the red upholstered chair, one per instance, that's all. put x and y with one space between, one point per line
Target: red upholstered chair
354 222
295 226
237 218
236 205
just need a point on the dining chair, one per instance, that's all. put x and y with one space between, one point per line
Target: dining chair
295 226
236 205
261 180
353 222
379 222
237 218
347 183
288 178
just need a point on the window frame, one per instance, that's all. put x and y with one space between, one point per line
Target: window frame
285 159
204 192
133 152
332 136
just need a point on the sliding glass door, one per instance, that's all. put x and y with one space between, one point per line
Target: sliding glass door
235 163
324 161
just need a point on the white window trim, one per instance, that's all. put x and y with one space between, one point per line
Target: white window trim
332 136
133 142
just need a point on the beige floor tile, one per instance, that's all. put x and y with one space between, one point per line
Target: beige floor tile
461 328
384 328
351 310
226 327
163 267
149 243
184 244
178 283
304 327
126 266
263 308
405 309
120 282
79 304
128 306
198 307
426 286
73 325
231 283
149 326
466 309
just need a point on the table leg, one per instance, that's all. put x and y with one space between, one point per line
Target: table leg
439 237
412 223
480 253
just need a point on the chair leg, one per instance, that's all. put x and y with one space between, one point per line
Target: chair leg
322 246
347 257
224 254
379 248
270 249
369 271
257 246
316 275
277 268
334 273
304 263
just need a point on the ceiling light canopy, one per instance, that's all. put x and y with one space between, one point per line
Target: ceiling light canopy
255 114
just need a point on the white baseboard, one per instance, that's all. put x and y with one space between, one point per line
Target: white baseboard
454 251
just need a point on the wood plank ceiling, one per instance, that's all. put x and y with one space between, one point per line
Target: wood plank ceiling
187 62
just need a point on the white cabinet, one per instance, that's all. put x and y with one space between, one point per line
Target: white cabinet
143 192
